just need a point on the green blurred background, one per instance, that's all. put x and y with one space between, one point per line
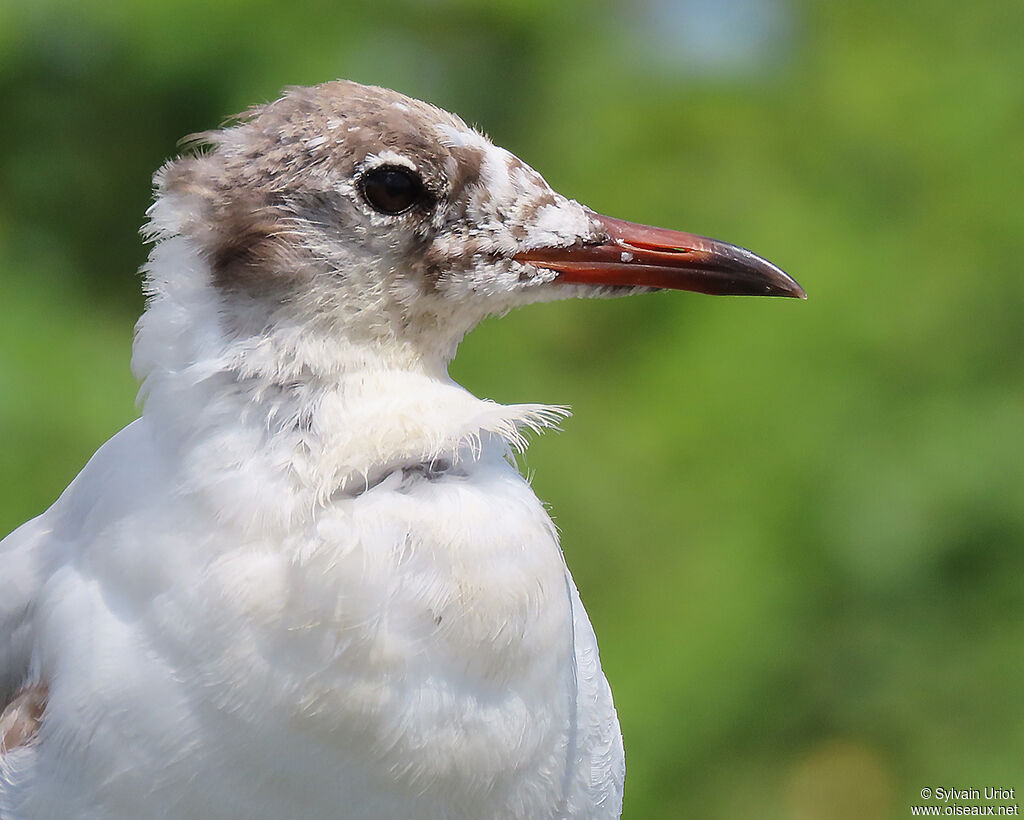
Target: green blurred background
798 527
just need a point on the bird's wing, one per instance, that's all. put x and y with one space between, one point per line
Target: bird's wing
31 554
25 556
598 779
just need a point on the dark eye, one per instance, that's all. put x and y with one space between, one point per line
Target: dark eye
392 190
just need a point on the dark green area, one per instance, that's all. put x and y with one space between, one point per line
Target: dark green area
798 527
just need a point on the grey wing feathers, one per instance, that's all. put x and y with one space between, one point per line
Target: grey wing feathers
24 567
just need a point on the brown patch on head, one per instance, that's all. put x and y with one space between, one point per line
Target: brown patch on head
434 263
521 228
247 251
336 126
20 719
241 230
273 179
468 163
513 163
466 166
517 167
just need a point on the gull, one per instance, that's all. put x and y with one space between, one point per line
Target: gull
309 581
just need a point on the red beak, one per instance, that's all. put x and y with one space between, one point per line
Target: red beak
639 255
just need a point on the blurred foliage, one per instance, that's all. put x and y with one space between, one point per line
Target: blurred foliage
798 527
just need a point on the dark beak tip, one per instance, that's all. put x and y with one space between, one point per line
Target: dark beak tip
791 290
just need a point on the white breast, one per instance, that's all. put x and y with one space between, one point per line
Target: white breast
415 650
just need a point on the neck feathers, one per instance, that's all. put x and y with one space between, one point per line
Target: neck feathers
298 413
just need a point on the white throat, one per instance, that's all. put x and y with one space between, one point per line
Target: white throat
292 415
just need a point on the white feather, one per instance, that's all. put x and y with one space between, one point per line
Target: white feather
309 581
262 604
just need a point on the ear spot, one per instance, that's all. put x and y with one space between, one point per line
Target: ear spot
245 250
242 234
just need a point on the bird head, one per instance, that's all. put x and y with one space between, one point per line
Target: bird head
356 213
